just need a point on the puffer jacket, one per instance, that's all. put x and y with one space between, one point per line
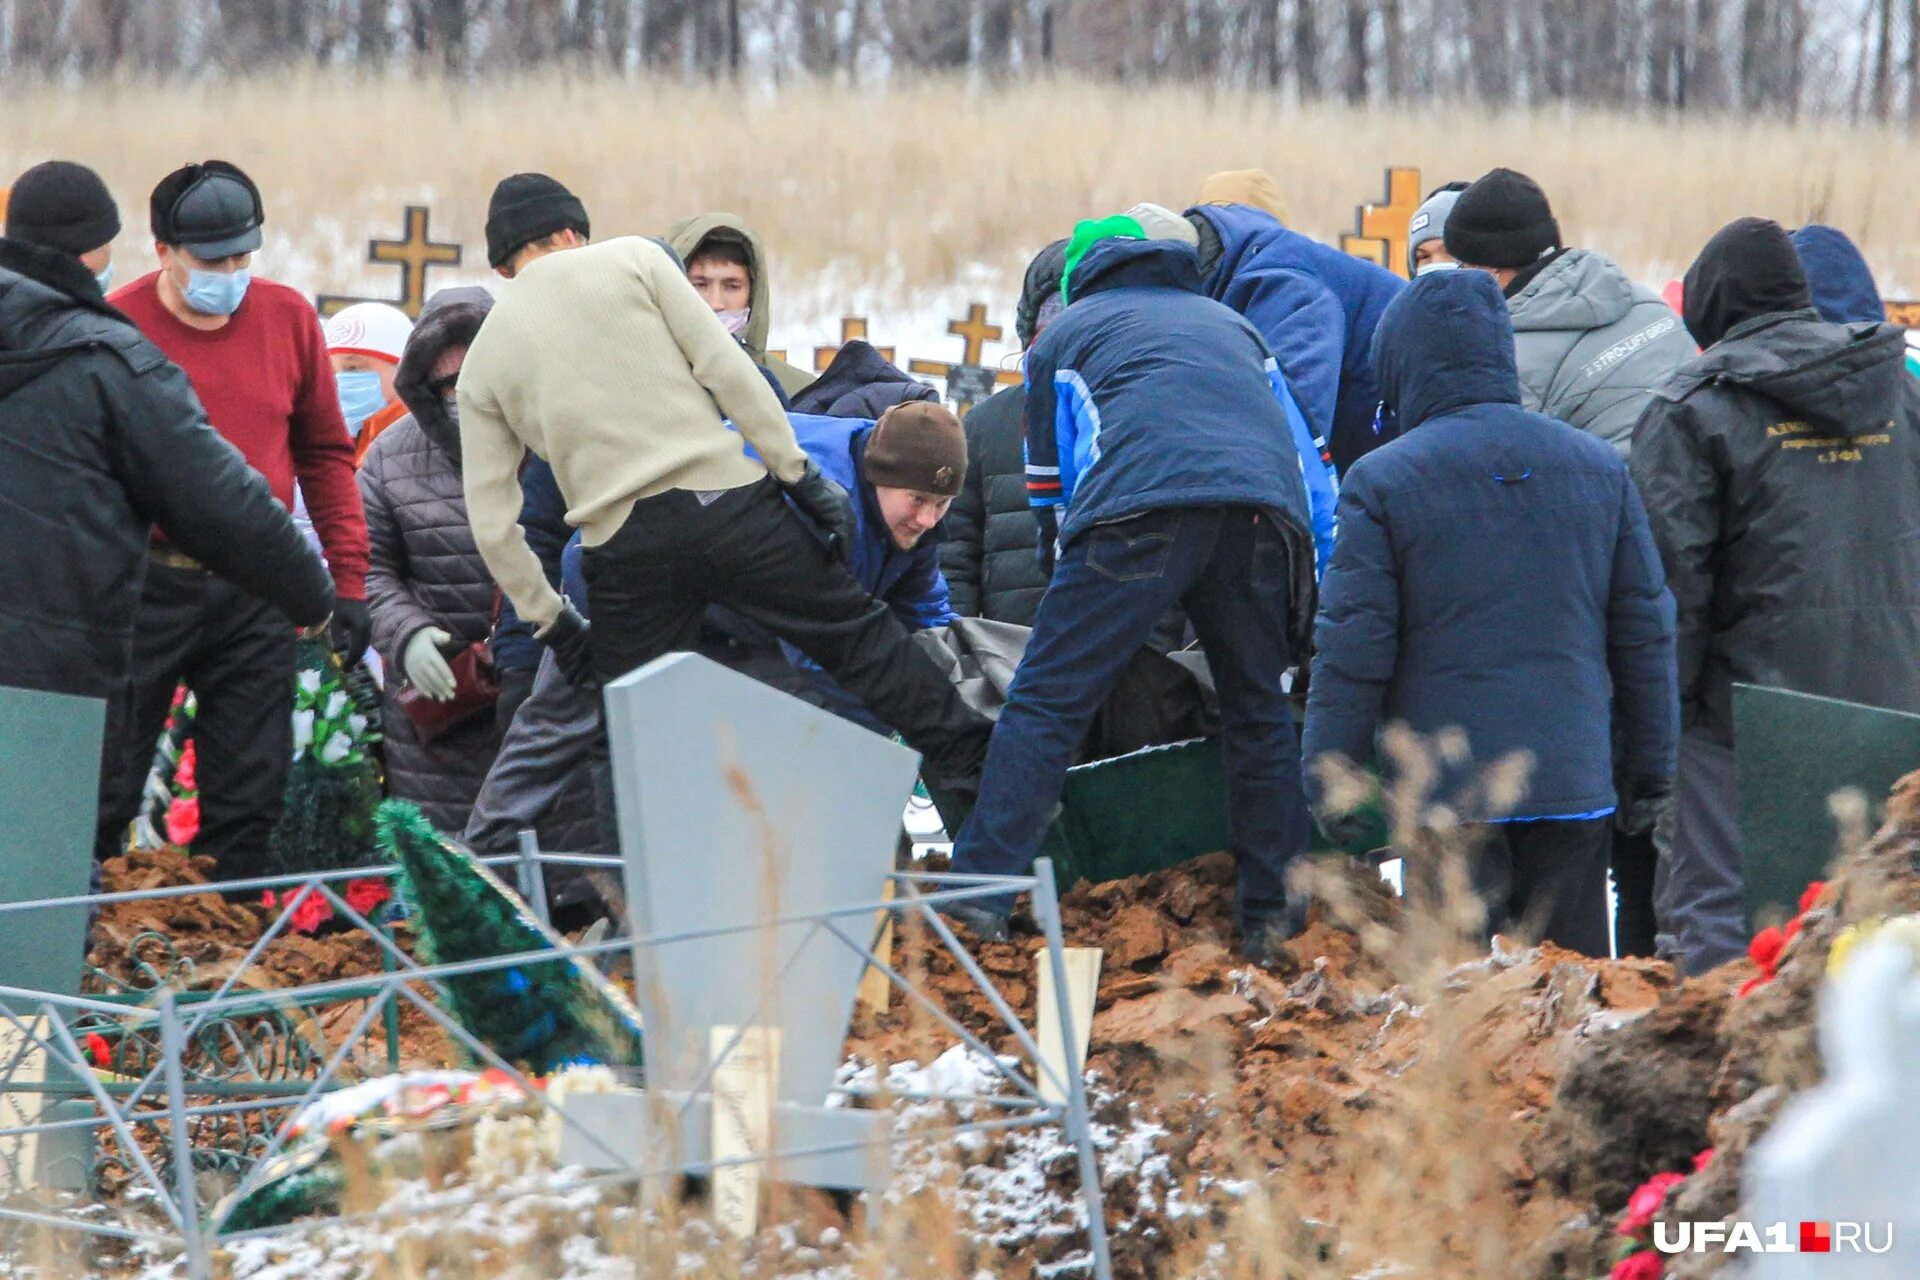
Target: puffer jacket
1592 344
860 383
1495 574
1781 469
426 571
102 439
988 552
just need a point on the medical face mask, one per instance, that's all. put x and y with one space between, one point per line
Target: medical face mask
216 293
1428 268
360 397
736 321
104 277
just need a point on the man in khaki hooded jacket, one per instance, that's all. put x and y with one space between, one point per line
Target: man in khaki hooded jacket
728 266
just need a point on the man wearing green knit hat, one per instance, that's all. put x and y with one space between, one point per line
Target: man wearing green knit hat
1163 464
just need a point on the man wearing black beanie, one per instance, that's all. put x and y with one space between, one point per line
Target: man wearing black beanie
61 205
531 214
102 439
1778 470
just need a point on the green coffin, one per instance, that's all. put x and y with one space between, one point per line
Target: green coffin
1142 812
1792 751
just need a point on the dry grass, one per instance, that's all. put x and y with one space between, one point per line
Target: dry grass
910 185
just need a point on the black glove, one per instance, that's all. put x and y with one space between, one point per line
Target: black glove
827 505
568 635
1047 547
351 629
514 688
1645 802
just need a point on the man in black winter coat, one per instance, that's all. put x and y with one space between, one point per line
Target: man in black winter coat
1781 471
987 553
101 439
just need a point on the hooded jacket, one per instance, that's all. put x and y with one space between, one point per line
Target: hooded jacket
1781 469
1592 345
101 439
425 569
1315 306
1144 395
1494 573
684 237
860 383
1838 278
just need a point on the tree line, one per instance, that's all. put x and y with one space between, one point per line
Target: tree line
1854 59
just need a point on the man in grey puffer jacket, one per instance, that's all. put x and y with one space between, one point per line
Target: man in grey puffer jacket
1591 344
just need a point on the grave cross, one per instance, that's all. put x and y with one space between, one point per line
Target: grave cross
1382 238
969 380
974 331
851 328
413 253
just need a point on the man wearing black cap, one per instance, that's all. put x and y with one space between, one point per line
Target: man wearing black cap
254 352
1591 343
1779 469
101 439
605 361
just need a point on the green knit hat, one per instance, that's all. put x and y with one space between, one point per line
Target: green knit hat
1090 232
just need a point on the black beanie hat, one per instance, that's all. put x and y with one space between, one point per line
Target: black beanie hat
1503 220
528 207
62 205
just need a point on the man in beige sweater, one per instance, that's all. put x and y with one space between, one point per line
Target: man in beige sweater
605 361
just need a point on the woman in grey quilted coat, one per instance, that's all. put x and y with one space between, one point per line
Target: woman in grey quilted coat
430 594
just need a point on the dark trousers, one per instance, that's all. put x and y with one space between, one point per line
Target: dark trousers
1635 860
1229 568
649 585
236 653
1547 878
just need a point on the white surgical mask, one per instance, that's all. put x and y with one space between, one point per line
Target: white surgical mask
1428 268
736 321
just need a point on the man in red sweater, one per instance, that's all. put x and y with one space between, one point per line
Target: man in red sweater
254 354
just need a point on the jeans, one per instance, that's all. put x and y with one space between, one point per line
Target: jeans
649 585
236 653
1229 567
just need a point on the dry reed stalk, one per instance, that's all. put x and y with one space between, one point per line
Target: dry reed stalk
904 187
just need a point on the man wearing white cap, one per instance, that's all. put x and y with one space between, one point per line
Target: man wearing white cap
364 342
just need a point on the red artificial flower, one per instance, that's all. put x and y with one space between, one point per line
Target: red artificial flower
366 893
183 820
1645 1265
1812 895
1702 1160
1645 1202
98 1052
183 770
1766 947
1792 928
314 910
179 697
1751 985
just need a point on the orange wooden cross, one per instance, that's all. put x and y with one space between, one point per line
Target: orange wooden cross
974 333
851 328
413 254
1382 238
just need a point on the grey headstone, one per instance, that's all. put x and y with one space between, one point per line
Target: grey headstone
49 792
739 804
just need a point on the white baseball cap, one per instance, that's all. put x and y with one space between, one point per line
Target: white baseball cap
369 329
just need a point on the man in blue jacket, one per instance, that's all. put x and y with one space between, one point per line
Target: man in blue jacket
1161 461
1315 305
1495 574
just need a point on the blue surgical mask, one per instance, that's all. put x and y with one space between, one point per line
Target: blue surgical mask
360 397
104 277
217 293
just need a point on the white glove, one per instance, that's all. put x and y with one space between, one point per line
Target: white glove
426 666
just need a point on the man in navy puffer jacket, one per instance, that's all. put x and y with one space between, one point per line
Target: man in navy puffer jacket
1495 573
1161 450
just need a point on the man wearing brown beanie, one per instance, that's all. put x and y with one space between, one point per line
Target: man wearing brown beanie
604 360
